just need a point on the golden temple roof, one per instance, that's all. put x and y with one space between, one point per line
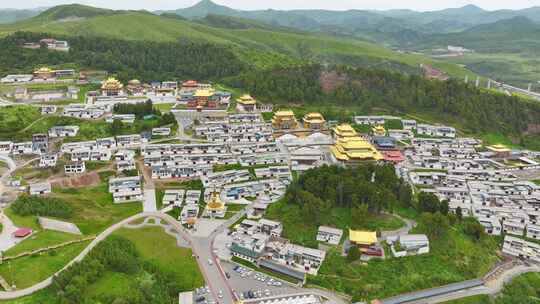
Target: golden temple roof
379 130
355 148
204 93
215 203
111 84
344 130
363 237
314 117
43 70
246 100
498 148
284 114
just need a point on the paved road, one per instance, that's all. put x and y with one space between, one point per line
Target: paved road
491 287
9 161
7 240
214 274
495 286
409 224
149 200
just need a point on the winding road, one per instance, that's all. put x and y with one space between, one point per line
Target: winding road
6 295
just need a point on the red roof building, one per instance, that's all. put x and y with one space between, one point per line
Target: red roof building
393 156
22 232
190 84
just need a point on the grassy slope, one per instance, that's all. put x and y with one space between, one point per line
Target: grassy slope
41 239
151 242
518 69
93 209
154 244
25 272
146 27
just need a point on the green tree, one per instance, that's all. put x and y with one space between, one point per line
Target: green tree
473 228
459 213
435 225
428 202
353 254
116 127
359 215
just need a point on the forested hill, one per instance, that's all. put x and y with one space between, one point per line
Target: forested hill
470 109
254 42
147 61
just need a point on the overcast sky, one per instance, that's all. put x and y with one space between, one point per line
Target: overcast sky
423 5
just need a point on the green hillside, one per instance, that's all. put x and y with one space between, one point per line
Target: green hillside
505 50
515 35
255 43
505 33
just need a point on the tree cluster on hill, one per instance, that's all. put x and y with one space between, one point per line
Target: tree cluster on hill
287 85
475 109
150 283
146 61
139 109
364 190
42 206
429 202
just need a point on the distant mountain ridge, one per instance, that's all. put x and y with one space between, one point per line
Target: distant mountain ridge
357 22
9 15
73 11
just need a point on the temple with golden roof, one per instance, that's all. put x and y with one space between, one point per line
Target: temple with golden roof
44 73
203 98
215 207
344 130
135 87
246 103
378 130
351 148
314 121
499 150
284 120
112 87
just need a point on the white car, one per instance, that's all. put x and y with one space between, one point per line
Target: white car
210 262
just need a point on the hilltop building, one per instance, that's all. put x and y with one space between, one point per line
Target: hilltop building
500 151
44 73
135 87
112 87
314 121
350 148
246 103
284 120
215 207
378 130
343 131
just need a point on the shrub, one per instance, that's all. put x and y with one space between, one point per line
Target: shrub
42 206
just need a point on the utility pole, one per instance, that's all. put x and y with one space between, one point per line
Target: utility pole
477 81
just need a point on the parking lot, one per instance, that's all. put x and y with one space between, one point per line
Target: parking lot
249 283
202 295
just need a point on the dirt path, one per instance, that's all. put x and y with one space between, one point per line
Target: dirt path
32 124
